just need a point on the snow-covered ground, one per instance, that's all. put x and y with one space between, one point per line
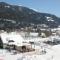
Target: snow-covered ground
42 51
51 54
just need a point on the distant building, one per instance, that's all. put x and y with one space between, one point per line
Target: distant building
33 34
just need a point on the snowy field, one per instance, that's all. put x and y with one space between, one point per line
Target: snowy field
42 51
52 53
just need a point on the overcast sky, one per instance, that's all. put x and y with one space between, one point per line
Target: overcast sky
45 6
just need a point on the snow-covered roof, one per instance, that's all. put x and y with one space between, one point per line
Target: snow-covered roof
33 34
4 35
37 39
17 38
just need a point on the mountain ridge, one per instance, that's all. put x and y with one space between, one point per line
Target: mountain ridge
24 17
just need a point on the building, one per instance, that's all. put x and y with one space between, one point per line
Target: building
14 40
6 37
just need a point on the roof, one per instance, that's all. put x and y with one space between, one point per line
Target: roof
3 37
17 38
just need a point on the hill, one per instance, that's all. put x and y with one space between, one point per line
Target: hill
12 16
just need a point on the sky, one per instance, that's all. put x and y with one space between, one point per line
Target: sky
44 6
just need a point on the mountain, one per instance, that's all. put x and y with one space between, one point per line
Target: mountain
13 16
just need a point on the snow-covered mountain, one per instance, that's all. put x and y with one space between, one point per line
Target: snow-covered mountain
13 16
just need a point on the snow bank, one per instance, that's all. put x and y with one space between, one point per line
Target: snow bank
56 52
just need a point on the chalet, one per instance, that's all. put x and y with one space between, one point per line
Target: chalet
15 41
